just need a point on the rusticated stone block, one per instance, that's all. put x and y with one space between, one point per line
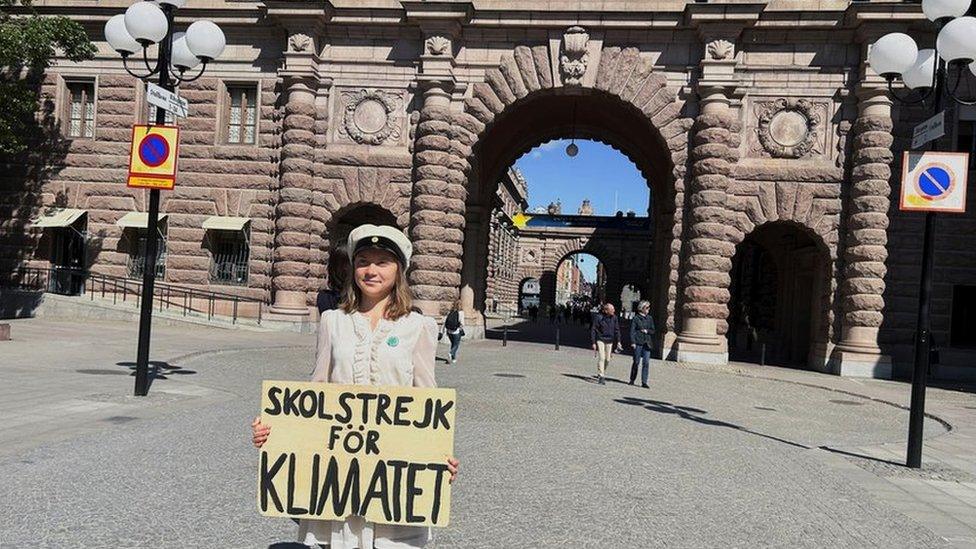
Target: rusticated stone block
710 263
543 70
625 67
428 232
709 166
433 142
500 86
487 95
706 294
512 76
436 126
526 66
437 278
439 203
607 67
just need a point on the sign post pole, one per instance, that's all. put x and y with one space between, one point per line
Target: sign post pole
149 268
920 371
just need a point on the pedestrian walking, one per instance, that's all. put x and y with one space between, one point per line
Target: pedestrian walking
642 338
454 328
605 335
338 273
374 338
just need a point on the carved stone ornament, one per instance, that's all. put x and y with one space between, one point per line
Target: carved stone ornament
572 62
370 116
788 128
720 50
437 45
530 257
300 42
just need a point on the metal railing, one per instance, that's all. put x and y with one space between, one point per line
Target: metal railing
67 281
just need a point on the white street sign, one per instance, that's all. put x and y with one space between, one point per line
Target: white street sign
167 100
934 182
933 128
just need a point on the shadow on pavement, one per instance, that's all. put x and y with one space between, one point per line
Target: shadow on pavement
686 412
158 369
860 456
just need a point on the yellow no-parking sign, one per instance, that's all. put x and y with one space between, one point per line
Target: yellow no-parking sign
152 157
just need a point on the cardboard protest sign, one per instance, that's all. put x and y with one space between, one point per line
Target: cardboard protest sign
340 450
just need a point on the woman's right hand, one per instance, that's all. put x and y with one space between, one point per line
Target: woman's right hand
260 432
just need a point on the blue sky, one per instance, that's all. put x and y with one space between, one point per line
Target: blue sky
598 172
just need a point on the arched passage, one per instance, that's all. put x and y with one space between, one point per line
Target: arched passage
780 273
580 113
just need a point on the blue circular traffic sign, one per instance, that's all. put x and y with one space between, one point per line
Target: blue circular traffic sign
153 150
934 182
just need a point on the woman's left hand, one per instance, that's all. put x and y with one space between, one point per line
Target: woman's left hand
452 467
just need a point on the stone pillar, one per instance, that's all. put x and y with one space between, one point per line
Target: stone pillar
438 204
708 255
866 238
291 275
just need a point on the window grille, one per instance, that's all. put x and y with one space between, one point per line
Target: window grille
81 109
242 114
137 256
229 257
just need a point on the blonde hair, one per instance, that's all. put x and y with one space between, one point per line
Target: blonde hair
401 297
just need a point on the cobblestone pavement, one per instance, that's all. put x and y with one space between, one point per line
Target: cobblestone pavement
708 457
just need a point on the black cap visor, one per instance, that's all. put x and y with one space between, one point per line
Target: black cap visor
379 243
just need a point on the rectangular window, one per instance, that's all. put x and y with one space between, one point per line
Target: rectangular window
229 257
137 253
81 109
963 325
241 113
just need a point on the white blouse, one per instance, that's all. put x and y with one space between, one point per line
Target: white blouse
350 352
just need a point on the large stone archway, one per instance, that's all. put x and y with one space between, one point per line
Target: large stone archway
522 102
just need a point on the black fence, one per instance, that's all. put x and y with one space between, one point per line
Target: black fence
75 282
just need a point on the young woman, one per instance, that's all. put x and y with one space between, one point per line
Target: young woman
372 339
454 326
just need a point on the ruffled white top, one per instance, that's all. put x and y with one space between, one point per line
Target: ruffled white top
350 352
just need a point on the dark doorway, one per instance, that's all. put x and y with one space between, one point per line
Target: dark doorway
68 257
775 314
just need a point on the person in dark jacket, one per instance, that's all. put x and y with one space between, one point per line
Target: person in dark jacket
338 271
605 334
642 337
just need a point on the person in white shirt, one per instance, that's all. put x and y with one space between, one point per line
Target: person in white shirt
374 338
454 326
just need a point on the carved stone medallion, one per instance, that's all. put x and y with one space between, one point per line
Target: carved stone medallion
788 128
369 116
720 50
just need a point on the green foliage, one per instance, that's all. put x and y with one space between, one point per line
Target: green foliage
28 43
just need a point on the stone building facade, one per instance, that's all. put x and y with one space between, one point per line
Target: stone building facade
754 120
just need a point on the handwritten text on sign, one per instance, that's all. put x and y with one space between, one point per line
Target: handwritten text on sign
341 450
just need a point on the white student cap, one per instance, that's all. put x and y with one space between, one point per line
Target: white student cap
383 237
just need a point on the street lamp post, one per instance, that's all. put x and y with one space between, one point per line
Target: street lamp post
928 73
142 25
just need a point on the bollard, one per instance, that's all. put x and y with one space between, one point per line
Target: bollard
557 338
762 356
505 336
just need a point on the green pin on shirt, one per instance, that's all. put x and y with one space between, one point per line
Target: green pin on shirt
393 341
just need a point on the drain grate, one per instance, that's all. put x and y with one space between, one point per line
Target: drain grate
765 408
509 375
848 402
